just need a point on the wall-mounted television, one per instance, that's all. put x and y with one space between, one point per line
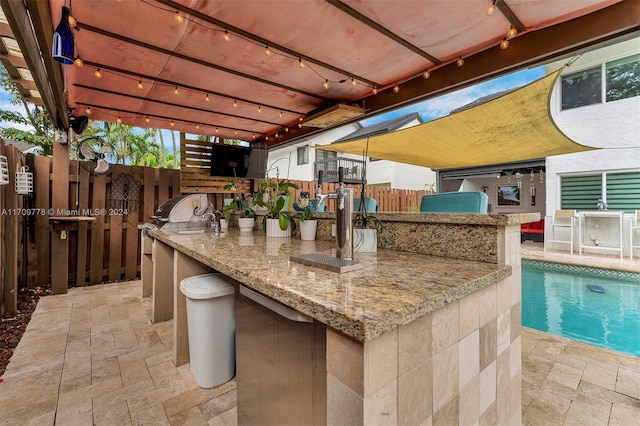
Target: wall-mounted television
238 161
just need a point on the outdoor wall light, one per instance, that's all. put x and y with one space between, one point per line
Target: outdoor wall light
4 170
24 182
63 44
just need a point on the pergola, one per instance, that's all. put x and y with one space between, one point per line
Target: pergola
276 71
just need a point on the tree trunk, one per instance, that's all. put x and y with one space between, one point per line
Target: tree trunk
163 159
175 156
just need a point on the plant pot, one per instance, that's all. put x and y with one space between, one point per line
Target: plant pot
273 229
246 224
365 240
224 224
308 229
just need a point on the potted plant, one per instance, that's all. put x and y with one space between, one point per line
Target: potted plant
271 195
224 214
308 225
247 219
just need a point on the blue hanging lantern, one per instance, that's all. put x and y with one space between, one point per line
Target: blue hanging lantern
63 45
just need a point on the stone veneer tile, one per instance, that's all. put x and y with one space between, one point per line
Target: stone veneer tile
488 343
449 414
469 356
516 321
345 358
445 377
487 387
503 294
515 358
515 398
470 402
381 362
414 344
516 284
444 326
488 309
503 378
343 405
503 331
382 406
415 395
469 310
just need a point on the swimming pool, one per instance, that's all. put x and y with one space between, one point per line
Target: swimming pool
556 299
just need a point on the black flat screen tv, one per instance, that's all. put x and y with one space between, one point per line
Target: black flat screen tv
238 161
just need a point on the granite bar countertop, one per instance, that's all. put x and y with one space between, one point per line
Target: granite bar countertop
393 289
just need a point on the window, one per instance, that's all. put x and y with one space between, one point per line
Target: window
321 154
303 155
623 78
582 88
621 191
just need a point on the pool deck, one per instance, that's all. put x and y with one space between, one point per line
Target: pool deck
92 356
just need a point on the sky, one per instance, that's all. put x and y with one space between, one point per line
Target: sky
429 110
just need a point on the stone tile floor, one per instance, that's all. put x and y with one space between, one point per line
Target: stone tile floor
93 357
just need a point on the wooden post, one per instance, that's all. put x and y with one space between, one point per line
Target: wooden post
11 235
41 192
59 203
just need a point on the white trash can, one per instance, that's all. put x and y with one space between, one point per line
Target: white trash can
211 324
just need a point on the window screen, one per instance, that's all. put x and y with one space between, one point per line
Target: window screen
303 155
623 78
623 191
581 192
582 88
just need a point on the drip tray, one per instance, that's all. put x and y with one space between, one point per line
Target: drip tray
330 263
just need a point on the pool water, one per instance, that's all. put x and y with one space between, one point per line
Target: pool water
560 302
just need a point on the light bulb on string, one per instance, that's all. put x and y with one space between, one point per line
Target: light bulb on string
280 115
206 98
235 104
491 9
326 85
119 120
98 74
259 109
460 61
197 126
353 82
146 120
172 124
396 88
426 75
87 111
267 51
176 91
225 36
300 63
217 130
374 90
78 62
140 86
178 17
504 44
286 130
511 33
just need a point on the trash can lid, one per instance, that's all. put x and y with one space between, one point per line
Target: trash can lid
208 286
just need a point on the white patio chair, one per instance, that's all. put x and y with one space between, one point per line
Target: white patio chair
634 230
562 219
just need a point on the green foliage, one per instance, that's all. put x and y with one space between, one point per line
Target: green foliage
363 221
304 214
270 196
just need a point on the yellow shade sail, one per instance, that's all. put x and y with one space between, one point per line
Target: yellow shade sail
514 127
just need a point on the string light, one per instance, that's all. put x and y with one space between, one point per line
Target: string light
353 82
179 18
197 126
426 75
78 62
87 111
235 104
140 86
460 61
176 91
280 115
326 85
119 120
146 120
299 125
374 91
267 51
300 118
259 109
217 130
253 136
396 88
286 130
206 98
172 124
300 63
98 74
491 9
511 33
226 37
504 44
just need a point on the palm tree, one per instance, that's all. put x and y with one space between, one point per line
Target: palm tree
163 158
175 157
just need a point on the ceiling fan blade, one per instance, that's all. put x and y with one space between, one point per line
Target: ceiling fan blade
102 166
87 153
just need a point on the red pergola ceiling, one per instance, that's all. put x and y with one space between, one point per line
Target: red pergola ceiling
374 44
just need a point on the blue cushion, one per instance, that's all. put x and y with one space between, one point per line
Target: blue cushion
455 202
370 205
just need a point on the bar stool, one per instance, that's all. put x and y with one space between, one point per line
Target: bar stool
562 219
634 228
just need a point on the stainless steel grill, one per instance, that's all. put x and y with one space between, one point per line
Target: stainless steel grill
180 212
